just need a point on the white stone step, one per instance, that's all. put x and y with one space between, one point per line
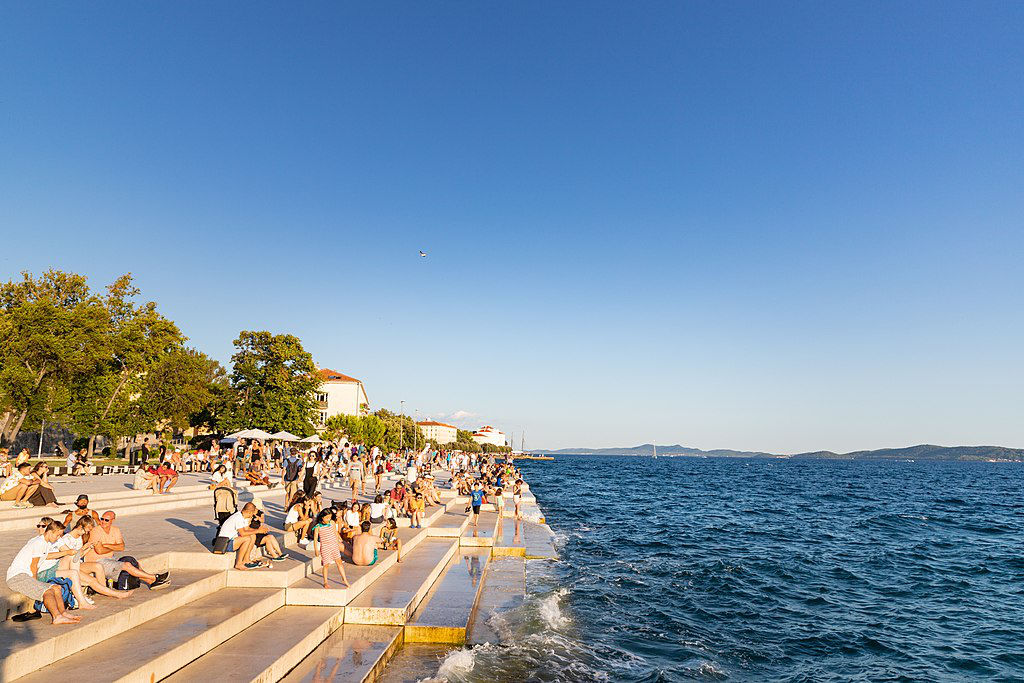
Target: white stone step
483 533
504 589
353 654
161 646
445 612
267 650
391 599
310 591
27 646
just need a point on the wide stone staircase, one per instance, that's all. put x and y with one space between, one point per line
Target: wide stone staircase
277 623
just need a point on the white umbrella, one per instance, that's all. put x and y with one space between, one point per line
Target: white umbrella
284 436
250 434
313 439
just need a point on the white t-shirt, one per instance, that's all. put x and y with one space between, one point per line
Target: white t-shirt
292 516
232 524
68 541
11 481
351 517
377 510
22 562
218 477
410 474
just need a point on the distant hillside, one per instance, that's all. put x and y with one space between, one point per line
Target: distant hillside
922 452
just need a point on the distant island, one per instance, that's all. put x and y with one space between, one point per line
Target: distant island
922 452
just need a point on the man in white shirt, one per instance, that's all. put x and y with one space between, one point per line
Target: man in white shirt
21 575
238 528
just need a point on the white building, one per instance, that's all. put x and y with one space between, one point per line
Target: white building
340 394
489 435
438 432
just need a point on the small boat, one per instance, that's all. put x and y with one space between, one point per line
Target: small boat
534 457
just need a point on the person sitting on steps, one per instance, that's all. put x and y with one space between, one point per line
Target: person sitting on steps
247 530
107 539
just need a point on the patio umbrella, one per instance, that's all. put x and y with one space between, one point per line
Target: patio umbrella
284 436
313 439
250 434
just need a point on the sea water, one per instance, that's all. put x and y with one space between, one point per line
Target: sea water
767 570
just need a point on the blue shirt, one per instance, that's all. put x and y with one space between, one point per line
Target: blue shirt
478 497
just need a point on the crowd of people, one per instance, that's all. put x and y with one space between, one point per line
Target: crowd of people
70 559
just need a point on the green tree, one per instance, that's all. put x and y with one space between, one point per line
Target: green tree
114 400
274 380
215 415
176 388
52 333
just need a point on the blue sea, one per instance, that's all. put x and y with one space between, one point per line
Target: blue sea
768 570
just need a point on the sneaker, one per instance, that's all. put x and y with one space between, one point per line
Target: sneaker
161 582
253 565
281 557
304 542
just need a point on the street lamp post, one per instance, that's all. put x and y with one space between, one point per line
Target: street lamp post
416 431
401 432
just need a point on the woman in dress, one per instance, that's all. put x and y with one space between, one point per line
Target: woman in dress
312 476
328 545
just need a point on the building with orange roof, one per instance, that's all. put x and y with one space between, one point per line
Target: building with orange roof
488 434
340 394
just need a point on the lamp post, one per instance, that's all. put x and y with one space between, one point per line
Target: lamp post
416 431
401 432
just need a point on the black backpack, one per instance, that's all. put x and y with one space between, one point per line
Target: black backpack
125 581
291 472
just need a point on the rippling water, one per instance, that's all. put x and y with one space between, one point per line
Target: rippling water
680 568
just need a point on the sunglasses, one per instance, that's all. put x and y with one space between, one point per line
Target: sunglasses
40 526
106 519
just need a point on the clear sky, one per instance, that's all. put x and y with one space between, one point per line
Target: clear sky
774 226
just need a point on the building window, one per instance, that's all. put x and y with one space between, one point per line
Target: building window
321 396
323 417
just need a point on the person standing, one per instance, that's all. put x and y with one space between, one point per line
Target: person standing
292 469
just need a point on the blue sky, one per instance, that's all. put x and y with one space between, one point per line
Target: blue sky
774 226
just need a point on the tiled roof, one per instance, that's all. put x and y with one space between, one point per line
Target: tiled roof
431 423
335 376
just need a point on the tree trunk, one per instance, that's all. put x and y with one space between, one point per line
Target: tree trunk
92 445
16 427
4 419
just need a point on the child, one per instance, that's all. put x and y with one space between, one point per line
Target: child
499 503
416 510
328 545
389 538
517 497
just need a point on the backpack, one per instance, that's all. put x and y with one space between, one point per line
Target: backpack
65 590
291 471
125 581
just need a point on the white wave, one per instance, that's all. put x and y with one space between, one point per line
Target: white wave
550 611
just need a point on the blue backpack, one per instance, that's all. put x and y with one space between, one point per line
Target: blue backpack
65 590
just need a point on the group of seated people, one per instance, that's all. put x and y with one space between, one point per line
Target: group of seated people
156 477
80 552
28 486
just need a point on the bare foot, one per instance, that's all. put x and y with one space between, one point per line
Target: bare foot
121 595
85 605
60 621
243 568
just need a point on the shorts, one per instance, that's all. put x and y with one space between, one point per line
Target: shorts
476 509
28 586
376 520
111 567
374 558
220 545
48 574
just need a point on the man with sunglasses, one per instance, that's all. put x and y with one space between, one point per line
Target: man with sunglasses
107 540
